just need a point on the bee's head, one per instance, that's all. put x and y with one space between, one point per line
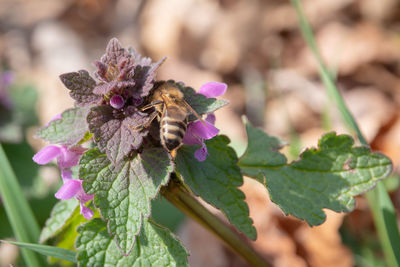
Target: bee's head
173 92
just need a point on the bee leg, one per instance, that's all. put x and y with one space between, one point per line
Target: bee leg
152 104
145 125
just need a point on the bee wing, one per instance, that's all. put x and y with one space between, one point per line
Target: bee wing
193 112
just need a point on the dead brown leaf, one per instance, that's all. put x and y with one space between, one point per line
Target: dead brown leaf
322 244
346 48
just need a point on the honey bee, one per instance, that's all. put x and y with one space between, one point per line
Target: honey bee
172 112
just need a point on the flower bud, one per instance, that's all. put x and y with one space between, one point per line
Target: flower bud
117 101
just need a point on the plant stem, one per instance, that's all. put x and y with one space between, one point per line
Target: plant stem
176 193
380 204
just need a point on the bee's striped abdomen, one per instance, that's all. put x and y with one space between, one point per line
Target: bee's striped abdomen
172 132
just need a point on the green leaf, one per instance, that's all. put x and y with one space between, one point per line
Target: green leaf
51 251
216 180
327 177
387 228
59 216
155 246
68 234
386 221
68 130
123 192
200 103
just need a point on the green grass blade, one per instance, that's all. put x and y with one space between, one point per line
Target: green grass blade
18 211
60 253
326 76
379 201
386 223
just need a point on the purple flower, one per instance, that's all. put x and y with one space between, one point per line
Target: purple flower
66 158
73 188
198 131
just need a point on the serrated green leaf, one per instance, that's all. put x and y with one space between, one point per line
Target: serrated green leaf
59 216
67 236
200 103
155 246
327 177
123 192
216 180
68 130
47 250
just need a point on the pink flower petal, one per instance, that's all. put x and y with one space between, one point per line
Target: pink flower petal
212 89
69 157
46 154
69 189
205 132
86 212
82 196
211 118
66 174
190 137
201 153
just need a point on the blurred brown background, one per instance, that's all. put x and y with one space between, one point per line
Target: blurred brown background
256 48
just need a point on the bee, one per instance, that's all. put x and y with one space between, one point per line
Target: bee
172 112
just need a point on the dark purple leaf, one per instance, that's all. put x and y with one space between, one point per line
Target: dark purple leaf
115 132
81 86
105 88
114 52
139 60
144 77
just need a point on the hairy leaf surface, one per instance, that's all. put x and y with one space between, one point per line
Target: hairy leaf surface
144 76
68 130
114 53
216 180
59 216
81 87
200 103
155 246
326 177
136 72
115 133
123 191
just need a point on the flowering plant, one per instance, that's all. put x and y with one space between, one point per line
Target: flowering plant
113 161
